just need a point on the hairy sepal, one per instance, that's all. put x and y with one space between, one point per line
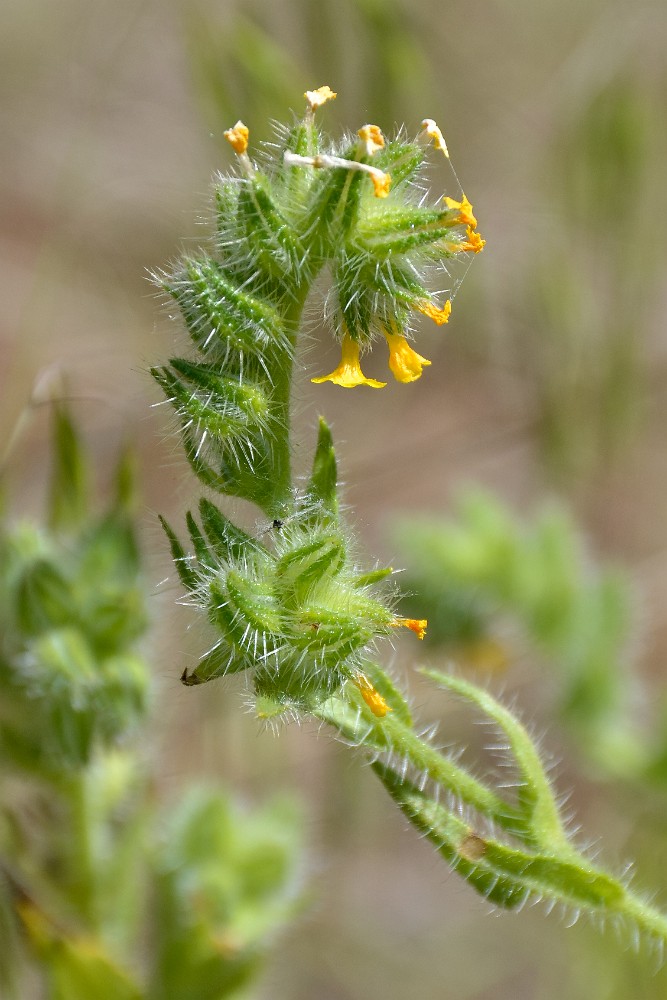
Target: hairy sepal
226 323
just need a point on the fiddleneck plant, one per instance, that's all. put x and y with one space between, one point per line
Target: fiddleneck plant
289 603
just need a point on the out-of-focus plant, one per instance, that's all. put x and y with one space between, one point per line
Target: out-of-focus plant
482 571
289 602
101 895
241 65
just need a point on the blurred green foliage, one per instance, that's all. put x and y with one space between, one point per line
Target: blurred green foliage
246 66
71 612
102 893
491 583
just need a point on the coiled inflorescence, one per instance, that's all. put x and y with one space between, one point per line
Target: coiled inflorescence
354 208
294 608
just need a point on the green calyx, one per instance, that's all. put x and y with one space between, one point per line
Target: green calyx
287 606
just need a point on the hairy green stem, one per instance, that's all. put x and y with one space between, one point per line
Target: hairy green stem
282 492
391 735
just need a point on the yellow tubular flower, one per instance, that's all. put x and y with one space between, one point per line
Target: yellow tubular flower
372 138
416 625
349 373
438 316
405 364
316 98
372 697
466 217
237 137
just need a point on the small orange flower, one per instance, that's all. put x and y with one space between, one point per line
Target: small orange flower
237 137
405 364
473 242
416 625
349 373
466 217
372 697
438 316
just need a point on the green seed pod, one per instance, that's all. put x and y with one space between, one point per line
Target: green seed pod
333 205
304 140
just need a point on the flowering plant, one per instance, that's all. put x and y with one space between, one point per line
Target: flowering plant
290 604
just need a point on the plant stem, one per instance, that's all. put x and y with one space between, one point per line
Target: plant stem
392 735
281 494
81 852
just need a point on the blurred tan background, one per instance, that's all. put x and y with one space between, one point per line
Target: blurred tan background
550 380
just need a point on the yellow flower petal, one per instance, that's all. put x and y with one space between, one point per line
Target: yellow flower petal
316 98
381 184
405 364
349 373
372 137
434 133
474 242
429 309
237 137
416 625
466 217
372 697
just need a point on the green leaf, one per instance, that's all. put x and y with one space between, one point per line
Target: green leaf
535 794
504 875
324 477
373 576
68 493
204 556
230 543
182 561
